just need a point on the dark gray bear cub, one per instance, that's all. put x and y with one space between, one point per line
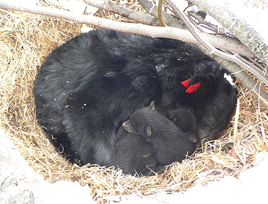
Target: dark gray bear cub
151 141
186 120
133 154
183 117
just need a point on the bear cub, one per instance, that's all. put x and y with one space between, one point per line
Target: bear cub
149 141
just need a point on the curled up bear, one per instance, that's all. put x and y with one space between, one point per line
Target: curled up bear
94 82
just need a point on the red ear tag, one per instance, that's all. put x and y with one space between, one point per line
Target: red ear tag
186 83
193 88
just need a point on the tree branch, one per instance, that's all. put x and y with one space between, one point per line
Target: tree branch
160 13
243 77
210 48
113 7
239 28
166 32
151 8
224 43
153 31
201 21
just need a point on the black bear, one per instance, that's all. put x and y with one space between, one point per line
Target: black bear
90 85
186 120
149 141
213 103
132 154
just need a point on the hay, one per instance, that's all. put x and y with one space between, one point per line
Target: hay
25 41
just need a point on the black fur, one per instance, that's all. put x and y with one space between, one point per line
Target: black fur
183 117
186 120
150 141
132 154
91 84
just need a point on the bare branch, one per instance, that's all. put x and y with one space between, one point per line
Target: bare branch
151 8
113 7
201 21
239 28
210 48
224 43
244 78
153 31
160 13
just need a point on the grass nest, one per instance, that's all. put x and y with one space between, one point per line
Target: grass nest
26 40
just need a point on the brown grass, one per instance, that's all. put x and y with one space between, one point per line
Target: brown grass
25 41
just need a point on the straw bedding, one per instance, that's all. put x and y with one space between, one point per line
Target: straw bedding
25 41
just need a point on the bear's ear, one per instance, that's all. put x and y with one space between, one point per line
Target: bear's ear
128 127
152 105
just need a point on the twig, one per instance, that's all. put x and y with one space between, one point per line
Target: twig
153 31
254 66
224 43
201 20
237 112
212 49
110 6
238 27
160 14
151 8
244 78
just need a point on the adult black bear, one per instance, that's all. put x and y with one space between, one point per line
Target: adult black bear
93 83
150 141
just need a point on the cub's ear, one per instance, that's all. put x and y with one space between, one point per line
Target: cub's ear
128 127
152 105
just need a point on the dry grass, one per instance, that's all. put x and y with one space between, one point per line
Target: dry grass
25 41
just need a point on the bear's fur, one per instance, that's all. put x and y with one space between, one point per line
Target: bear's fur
150 141
94 82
